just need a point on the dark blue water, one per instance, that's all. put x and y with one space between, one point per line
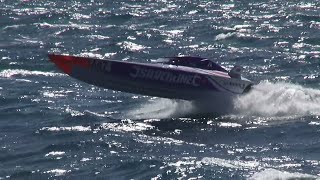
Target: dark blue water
53 126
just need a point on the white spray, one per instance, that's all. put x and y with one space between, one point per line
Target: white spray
277 100
161 108
265 100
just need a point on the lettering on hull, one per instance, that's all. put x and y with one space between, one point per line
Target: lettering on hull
165 76
102 65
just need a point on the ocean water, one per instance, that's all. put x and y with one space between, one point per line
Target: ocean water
56 127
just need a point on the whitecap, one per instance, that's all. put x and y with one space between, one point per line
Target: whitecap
132 46
58 172
54 94
73 128
273 174
8 73
242 26
55 153
73 112
229 124
127 126
91 55
224 36
172 33
234 164
100 37
314 123
192 12
85 159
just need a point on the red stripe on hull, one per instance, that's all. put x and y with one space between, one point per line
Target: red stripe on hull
66 63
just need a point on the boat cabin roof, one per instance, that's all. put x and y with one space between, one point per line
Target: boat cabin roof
196 62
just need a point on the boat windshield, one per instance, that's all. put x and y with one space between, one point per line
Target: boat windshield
196 62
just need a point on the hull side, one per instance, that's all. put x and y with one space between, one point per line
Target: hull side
166 81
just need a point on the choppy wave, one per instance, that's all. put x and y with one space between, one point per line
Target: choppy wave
8 73
52 125
224 36
73 128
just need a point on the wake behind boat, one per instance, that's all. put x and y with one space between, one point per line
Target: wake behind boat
188 78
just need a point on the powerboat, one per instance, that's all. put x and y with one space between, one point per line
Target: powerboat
188 78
